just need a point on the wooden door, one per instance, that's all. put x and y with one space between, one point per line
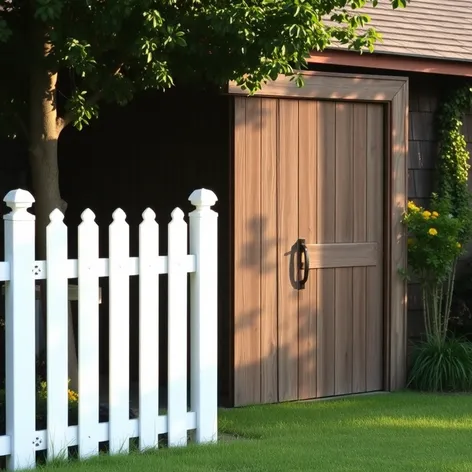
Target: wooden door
330 329
313 171
310 163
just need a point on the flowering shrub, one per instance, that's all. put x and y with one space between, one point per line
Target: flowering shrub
433 249
433 242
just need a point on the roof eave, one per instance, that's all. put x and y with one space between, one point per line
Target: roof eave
387 61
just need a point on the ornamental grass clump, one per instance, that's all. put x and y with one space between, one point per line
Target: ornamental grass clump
442 365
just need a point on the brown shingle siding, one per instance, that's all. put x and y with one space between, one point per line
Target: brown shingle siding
424 180
422 149
422 154
428 101
422 126
411 184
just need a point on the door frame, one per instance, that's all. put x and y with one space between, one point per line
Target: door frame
393 92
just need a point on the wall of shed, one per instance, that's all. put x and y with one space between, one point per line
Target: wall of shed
424 98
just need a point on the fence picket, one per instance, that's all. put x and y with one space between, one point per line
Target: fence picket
148 331
204 314
57 336
177 331
88 335
20 320
119 334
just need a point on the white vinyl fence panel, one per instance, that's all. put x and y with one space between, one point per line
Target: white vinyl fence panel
20 273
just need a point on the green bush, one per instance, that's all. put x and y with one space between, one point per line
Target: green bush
442 365
433 250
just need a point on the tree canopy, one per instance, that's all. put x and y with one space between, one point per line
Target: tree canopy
110 50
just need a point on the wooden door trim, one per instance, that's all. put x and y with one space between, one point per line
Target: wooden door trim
393 91
331 86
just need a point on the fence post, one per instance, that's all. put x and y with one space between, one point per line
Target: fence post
20 327
204 314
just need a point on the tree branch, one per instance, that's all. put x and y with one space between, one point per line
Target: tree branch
69 117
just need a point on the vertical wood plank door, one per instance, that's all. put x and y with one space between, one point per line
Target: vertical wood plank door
341 220
332 342
309 181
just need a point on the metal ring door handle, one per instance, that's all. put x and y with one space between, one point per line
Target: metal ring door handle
303 263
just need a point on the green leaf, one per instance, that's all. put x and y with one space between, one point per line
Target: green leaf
399 3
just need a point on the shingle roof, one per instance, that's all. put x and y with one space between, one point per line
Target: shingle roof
425 28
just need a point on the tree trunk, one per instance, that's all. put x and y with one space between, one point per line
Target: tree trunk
45 128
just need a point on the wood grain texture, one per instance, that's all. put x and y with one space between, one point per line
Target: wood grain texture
325 229
263 343
375 223
357 254
344 233
269 259
287 238
247 247
397 308
307 198
359 274
322 85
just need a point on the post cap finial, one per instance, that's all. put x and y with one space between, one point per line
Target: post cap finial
19 198
203 198
19 201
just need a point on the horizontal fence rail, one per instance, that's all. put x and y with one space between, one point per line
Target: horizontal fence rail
20 273
159 266
103 433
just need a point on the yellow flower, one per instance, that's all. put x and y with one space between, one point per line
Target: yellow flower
412 206
435 214
433 232
73 396
459 245
426 214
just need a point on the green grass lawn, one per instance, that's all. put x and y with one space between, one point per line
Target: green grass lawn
395 432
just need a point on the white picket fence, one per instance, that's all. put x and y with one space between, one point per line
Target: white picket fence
20 271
